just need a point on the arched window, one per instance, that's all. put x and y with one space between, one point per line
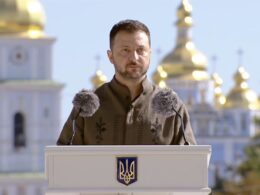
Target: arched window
19 130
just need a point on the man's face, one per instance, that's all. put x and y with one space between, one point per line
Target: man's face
130 54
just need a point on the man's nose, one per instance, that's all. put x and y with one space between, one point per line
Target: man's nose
133 56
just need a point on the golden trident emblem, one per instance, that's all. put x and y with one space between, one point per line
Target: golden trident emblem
127 170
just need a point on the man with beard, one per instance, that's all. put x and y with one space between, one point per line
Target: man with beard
124 113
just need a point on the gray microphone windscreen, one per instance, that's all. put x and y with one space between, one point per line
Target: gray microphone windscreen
165 102
87 102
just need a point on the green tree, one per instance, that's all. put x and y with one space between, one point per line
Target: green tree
247 173
257 120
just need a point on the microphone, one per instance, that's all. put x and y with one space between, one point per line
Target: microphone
86 103
166 103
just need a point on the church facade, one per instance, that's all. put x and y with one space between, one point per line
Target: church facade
226 122
29 98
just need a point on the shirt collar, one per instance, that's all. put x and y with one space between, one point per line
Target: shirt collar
123 92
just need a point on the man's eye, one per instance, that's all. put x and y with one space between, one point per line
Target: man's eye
125 51
141 51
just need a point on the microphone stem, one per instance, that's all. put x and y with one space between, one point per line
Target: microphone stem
74 127
182 127
73 130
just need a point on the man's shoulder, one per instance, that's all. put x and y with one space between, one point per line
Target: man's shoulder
102 88
103 91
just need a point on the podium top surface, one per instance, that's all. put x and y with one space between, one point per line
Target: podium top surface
132 148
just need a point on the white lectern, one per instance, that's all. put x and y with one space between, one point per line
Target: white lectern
107 170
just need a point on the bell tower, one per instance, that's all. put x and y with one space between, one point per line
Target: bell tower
29 97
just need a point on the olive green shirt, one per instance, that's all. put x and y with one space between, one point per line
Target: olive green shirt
120 121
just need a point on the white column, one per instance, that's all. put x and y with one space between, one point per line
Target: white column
34 131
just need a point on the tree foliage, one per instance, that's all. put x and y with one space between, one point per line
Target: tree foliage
257 120
247 174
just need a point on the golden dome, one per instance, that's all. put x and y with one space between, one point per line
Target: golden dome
98 79
21 16
241 96
185 61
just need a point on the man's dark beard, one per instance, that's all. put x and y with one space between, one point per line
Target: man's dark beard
129 76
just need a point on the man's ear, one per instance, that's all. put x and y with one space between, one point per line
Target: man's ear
110 56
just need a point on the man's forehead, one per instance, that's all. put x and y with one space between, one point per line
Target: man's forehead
127 38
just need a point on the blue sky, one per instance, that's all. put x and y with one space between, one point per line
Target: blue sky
81 28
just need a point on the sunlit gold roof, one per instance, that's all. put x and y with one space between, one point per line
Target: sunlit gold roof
219 98
160 76
185 61
240 95
98 79
21 16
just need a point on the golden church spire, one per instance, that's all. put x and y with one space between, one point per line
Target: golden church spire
21 17
219 98
185 61
184 14
241 96
99 78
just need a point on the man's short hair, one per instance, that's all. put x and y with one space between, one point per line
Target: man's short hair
130 26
